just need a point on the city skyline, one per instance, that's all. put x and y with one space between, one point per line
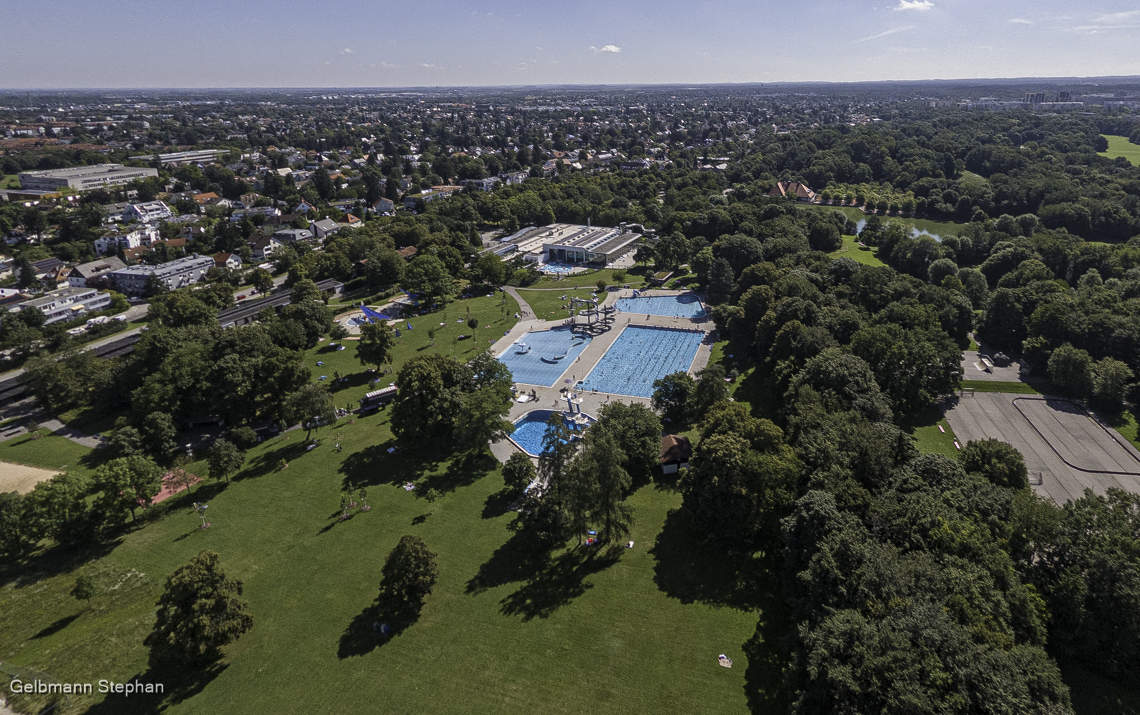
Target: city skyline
70 45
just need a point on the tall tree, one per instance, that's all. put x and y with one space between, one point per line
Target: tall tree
312 406
377 342
198 614
409 574
224 459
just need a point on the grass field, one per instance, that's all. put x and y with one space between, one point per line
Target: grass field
627 630
548 303
634 276
851 249
49 452
1120 146
9 181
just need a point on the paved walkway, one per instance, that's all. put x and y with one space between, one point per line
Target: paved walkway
61 430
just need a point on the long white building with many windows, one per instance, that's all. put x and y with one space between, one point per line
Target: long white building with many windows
83 178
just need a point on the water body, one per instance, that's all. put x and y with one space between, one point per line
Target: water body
918 227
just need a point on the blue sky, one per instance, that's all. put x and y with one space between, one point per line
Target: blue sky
144 43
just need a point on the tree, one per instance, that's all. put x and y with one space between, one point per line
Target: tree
914 368
260 279
429 400
377 342
16 534
198 614
427 276
841 382
1110 379
126 483
518 472
158 433
490 269
223 459
409 574
312 406
997 461
84 590
673 395
710 389
1070 369
721 282
481 417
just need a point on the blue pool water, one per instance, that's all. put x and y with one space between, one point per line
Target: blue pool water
674 306
641 355
556 267
530 369
531 428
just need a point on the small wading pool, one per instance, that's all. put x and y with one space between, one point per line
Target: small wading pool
531 428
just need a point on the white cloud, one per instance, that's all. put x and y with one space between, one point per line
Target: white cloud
1020 21
892 31
1118 17
427 65
606 48
346 51
915 5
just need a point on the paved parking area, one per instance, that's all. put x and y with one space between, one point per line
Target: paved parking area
1066 450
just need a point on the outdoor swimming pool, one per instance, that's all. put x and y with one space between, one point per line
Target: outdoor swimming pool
641 355
675 306
539 366
531 428
556 267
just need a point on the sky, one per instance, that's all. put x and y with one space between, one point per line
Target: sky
69 44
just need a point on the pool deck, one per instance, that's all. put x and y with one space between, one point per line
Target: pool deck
550 398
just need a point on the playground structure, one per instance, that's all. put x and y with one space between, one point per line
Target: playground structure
598 319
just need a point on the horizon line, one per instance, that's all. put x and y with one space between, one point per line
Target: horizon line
236 88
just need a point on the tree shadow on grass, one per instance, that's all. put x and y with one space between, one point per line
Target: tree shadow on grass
498 503
767 653
54 560
559 583
375 465
56 627
692 572
363 634
267 462
179 686
463 471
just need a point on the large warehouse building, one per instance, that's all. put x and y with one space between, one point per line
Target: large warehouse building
572 243
83 178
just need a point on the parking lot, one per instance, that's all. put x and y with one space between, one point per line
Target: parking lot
1065 449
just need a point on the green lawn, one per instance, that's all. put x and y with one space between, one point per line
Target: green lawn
1120 146
9 181
49 452
635 277
851 249
928 438
632 630
548 303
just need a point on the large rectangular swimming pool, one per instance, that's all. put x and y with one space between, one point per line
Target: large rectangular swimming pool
641 355
551 352
674 306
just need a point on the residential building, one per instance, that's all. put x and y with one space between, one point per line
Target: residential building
292 235
793 190
264 248
181 272
383 206
514 177
205 199
68 303
126 238
266 211
83 178
148 212
227 260
323 228
407 252
487 184
94 274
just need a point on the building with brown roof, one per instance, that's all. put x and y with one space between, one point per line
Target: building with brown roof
792 190
676 451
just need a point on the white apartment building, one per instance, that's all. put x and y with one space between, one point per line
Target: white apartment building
68 303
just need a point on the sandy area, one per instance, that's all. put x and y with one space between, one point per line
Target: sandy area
22 478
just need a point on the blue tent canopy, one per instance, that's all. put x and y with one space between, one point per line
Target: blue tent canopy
372 313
